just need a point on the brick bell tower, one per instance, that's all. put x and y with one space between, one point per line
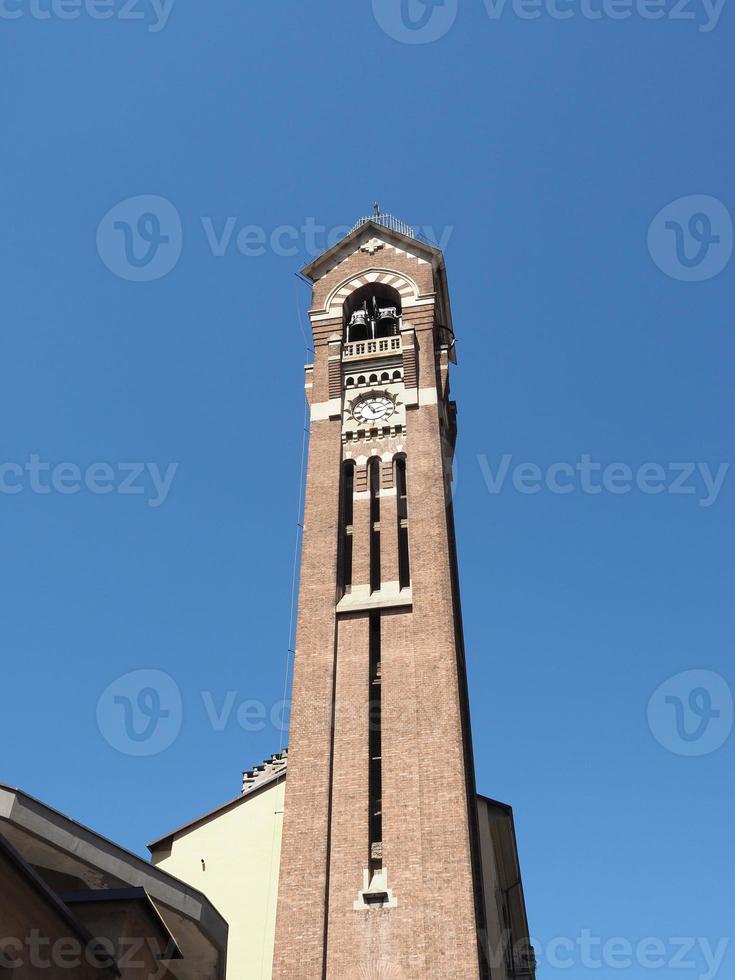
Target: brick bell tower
380 876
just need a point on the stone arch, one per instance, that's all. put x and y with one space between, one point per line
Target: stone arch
407 288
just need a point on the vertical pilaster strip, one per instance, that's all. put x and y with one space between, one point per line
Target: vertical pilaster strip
361 532
388 533
301 914
335 367
349 828
410 360
442 723
403 819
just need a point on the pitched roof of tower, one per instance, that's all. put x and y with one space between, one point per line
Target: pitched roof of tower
387 229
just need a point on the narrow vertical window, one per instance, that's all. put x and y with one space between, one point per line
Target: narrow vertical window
344 551
404 571
374 477
375 752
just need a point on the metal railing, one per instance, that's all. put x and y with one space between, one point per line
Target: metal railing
387 221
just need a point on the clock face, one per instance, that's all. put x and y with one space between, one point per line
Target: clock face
373 408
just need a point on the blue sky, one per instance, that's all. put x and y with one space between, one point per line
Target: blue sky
543 148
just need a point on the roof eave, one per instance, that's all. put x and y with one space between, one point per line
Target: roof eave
311 270
163 841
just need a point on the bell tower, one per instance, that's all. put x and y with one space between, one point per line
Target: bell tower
380 874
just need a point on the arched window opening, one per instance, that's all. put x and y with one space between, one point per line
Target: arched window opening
396 375
349 382
372 311
361 380
404 571
385 377
374 482
344 550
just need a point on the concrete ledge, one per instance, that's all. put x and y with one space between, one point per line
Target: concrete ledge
383 599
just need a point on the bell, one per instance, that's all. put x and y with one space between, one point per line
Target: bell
387 321
358 325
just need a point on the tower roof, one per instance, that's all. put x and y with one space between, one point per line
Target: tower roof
387 228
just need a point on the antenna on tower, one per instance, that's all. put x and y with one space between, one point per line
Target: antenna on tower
376 209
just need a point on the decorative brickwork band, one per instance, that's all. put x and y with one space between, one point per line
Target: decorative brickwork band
410 361
335 369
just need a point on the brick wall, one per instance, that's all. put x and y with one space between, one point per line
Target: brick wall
431 932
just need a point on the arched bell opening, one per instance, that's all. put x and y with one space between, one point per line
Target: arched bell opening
370 312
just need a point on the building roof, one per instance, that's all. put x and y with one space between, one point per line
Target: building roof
51 899
138 906
271 770
54 843
369 228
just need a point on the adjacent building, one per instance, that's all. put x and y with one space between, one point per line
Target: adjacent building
73 904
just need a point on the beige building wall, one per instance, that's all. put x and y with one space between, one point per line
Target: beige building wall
233 856
507 945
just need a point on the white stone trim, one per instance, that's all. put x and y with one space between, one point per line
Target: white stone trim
321 411
375 885
428 396
388 595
